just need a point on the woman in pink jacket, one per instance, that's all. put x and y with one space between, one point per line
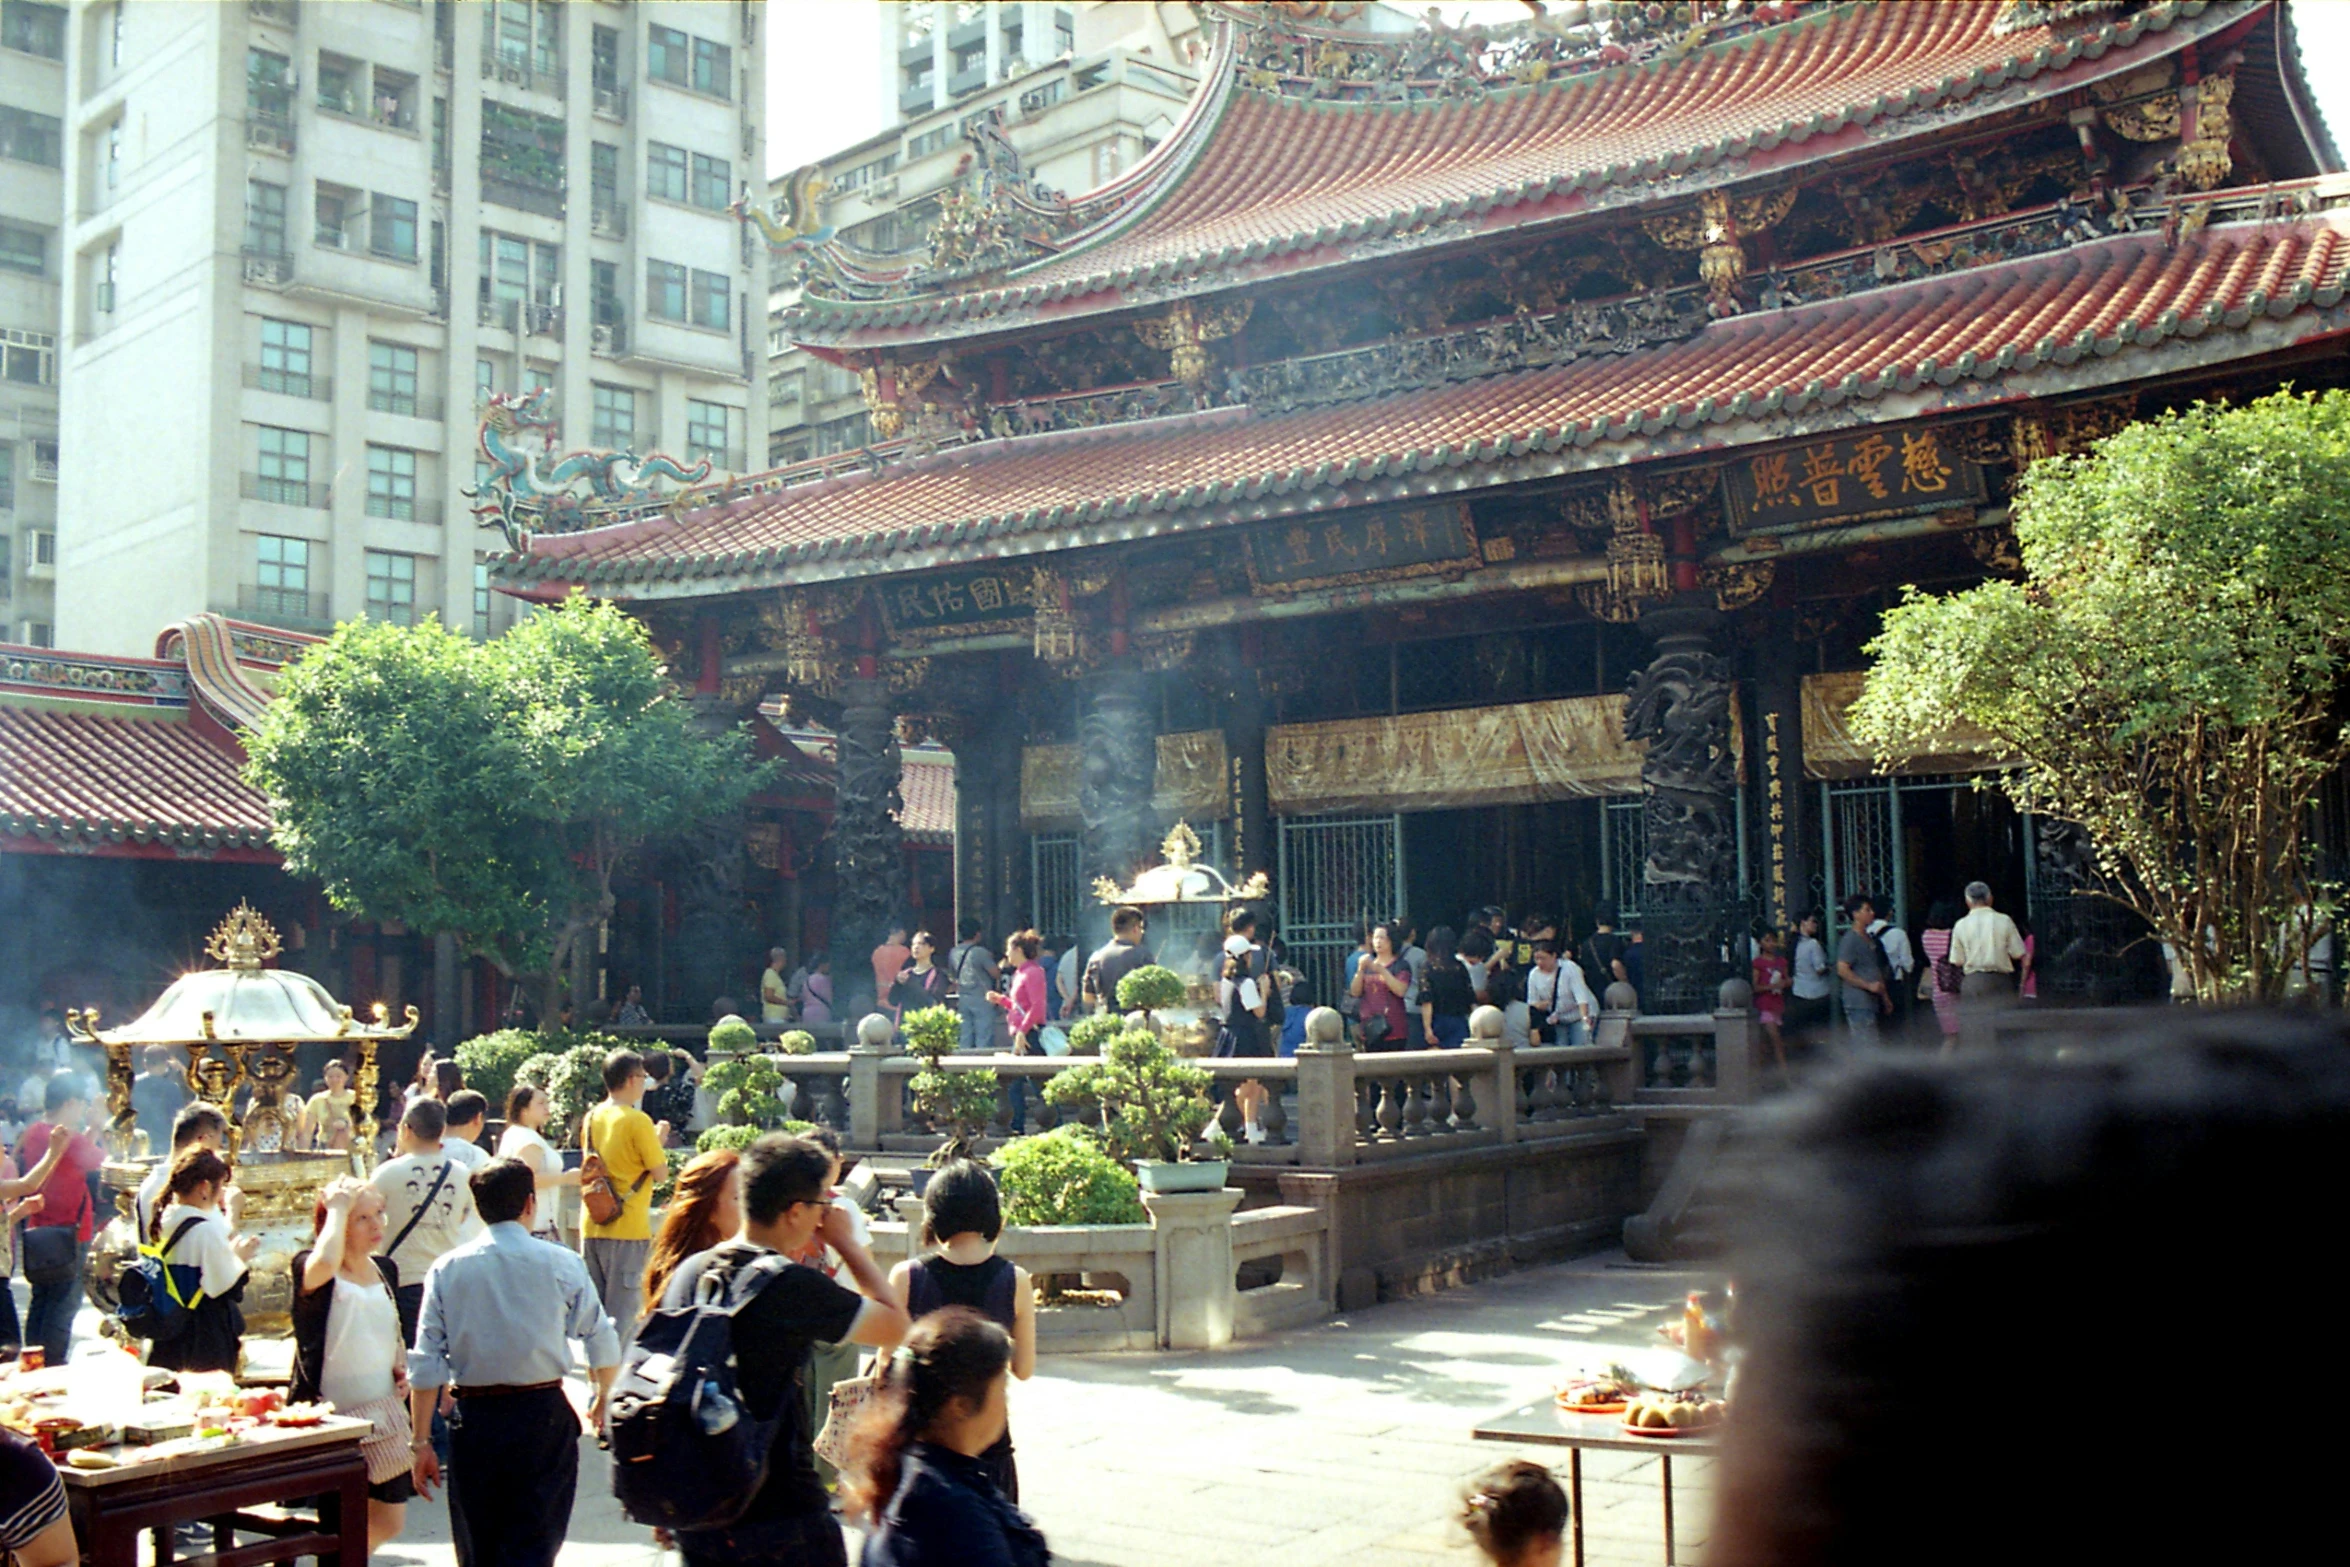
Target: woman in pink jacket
1026 1010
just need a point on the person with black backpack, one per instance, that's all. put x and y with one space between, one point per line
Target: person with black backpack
710 1438
973 969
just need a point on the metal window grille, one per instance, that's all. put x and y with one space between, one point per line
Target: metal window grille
1052 881
1623 854
1335 873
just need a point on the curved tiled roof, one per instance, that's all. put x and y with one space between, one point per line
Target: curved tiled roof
1309 182
2112 297
88 779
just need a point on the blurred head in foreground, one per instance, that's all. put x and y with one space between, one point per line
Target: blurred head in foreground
2040 1311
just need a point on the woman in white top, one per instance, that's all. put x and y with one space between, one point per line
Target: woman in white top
527 1110
347 1349
198 1242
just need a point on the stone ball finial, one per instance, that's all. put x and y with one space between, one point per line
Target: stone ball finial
875 1032
1621 997
1325 1028
1737 996
1485 1025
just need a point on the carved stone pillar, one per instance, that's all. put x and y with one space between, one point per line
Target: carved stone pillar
1117 769
1680 705
1244 753
868 845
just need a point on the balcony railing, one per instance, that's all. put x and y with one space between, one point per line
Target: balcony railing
290 383
521 197
269 130
503 313
543 320
520 70
609 338
44 468
411 405
394 115
269 268
424 509
282 12
285 492
291 608
609 222
612 102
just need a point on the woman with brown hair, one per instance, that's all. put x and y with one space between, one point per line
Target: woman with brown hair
199 1249
916 1472
705 1209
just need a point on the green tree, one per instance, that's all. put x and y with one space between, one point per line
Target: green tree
491 790
2169 674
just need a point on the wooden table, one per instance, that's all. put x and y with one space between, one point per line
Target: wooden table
112 1507
1544 1424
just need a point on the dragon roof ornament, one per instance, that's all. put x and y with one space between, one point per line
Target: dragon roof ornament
526 494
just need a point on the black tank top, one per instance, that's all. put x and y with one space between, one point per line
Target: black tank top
985 1287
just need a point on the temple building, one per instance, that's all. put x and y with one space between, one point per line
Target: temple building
1466 465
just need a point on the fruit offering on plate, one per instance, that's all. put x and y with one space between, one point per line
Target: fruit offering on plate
1606 1394
1674 1412
297 1416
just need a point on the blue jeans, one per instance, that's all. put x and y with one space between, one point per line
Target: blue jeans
1860 1011
978 1029
48 1320
1450 1032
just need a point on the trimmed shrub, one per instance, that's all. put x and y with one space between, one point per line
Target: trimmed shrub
740 1137
1064 1177
1087 1034
490 1062
1151 988
730 1035
798 1042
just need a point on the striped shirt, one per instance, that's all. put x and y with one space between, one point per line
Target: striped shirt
31 1496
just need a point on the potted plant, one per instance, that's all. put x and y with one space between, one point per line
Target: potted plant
731 1036
1152 1106
1065 1177
1150 990
747 1090
1087 1034
959 1104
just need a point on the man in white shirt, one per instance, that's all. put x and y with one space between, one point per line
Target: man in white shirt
428 1204
1813 981
469 1113
1986 947
1558 1000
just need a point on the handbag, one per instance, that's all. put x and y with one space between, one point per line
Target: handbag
1375 1028
52 1252
844 1406
598 1197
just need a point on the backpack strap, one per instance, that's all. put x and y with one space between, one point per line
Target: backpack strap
178 1234
416 1218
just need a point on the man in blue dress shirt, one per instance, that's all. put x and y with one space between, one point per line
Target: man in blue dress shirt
497 1312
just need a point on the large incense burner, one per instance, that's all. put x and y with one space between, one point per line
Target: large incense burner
239 1026
1193 895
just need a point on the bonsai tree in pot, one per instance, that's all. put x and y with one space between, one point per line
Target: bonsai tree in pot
1151 1106
959 1104
1150 990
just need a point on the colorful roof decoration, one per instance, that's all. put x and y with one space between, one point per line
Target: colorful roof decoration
1311 148
2043 325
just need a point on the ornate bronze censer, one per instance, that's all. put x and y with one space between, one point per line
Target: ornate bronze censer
239 1026
1185 884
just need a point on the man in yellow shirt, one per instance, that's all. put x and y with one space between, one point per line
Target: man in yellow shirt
629 1144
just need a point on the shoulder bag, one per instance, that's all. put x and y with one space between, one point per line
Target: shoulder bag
51 1252
599 1199
430 1192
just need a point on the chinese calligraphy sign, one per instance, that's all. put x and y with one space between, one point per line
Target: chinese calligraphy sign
1322 551
1877 474
992 598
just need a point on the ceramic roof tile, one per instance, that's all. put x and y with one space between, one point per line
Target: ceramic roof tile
81 777
2035 309
928 789
1278 174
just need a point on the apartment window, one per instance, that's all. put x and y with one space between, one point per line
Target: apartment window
604 175
391 587
516 269
866 173
267 83
481 586
665 171
391 378
7 498
39 633
709 431
685 61
918 76
265 218
281 575
285 357
604 292
845 434
604 58
392 227
339 84
31 138
485 378
712 293
713 182
930 141
391 483
114 28
612 424
113 155
970 57
528 34
335 213
109 277
27 358
284 466
34 29
665 290
1064 32
24 249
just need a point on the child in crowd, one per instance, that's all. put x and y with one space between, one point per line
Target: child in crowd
1516 1514
1771 974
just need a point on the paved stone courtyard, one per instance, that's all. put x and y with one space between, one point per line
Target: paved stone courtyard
1345 1442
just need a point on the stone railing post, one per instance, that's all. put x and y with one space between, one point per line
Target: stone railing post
1497 1100
909 1214
1325 1093
1191 1245
1618 1008
1734 1042
873 1109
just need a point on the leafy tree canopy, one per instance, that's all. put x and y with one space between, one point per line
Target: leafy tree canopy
487 789
2168 674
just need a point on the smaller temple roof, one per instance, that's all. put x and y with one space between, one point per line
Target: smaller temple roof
2049 324
134 755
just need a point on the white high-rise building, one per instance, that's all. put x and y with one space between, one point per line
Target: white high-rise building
32 125
300 244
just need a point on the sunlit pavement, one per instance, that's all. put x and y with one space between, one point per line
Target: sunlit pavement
1347 1442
